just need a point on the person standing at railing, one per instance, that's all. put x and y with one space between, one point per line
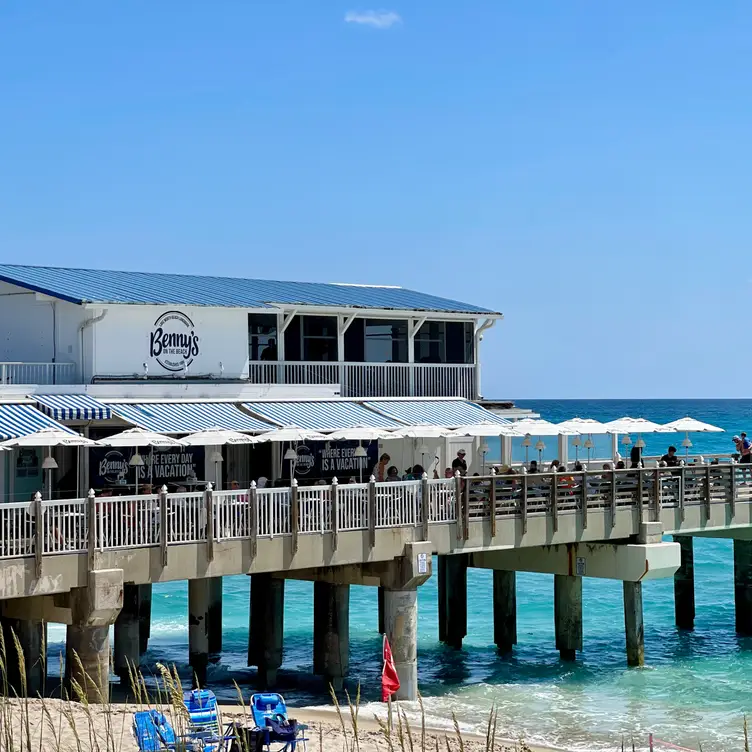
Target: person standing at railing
459 463
380 468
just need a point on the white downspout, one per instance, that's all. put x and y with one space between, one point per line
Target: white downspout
85 325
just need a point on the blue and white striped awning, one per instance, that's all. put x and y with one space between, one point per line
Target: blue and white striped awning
72 407
329 415
188 417
21 420
449 413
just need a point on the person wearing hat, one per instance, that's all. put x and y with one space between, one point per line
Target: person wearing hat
458 463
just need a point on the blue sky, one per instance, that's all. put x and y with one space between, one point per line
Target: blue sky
582 166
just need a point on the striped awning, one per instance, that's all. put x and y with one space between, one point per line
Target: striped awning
72 407
187 417
450 413
329 415
21 420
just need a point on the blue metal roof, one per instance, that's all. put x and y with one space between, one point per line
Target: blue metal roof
72 407
144 288
320 416
450 413
21 420
188 417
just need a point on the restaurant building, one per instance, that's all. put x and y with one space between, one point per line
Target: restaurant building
99 351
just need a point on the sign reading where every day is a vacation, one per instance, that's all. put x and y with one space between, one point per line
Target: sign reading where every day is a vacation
173 341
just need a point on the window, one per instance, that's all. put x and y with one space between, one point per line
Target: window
262 336
319 335
385 341
430 343
460 338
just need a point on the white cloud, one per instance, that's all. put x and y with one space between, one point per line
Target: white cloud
379 19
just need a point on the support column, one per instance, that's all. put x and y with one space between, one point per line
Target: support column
633 623
743 586
31 639
381 609
331 632
505 610
127 634
87 661
198 628
453 599
144 616
684 584
215 615
401 623
266 626
568 615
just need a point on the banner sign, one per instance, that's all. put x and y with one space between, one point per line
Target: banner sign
110 467
329 459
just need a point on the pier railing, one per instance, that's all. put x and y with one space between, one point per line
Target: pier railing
38 527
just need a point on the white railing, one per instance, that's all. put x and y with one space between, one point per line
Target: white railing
441 506
352 506
37 373
398 504
233 515
17 526
273 512
186 518
127 522
315 505
66 526
372 379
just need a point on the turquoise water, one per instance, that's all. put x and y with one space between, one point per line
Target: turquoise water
694 688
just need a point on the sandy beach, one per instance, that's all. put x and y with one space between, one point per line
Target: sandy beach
55 725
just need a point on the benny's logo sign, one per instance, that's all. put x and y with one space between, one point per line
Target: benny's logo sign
173 341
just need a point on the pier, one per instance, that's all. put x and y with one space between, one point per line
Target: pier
90 563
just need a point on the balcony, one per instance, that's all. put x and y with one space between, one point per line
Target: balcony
372 379
37 373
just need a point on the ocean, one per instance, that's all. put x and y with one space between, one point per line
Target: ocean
694 688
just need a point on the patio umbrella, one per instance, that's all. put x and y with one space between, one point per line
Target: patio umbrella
291 435
420 431
627 425
485 430
584 426
138 437
49 437
538 427
690 425
217 436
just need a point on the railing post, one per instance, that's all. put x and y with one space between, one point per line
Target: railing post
732 486
612 501
640 492
3 374
294 514
38 533
372 511
657 496
425 508
209 512
335 512
492 502
523 501
458 503
708 497
163 534
554 502
254 518
91 528
466 510
682 486
584 500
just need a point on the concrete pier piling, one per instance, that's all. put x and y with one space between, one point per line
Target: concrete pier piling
267 614
331 632
633 625
144 616
214 615
684 584
30 637
87 661
128 634
198 628
568 615
453 599
381 609
743 586
401 624
505 610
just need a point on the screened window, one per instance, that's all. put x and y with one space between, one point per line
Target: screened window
319 335
430 343
385 341
262 336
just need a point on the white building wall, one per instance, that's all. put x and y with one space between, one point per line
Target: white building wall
26 333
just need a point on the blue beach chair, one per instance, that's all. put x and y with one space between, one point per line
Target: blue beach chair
153 731
269 712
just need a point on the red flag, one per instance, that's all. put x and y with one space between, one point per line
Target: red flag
390 682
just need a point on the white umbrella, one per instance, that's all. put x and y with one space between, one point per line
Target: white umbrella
49 437
486 428
138 437
540 427
217 437
634 425
290 434
690 425
420 431
360 433
584 426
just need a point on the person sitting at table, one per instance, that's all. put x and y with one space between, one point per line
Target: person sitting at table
670 458
554 466
147 489
392 474
533 466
